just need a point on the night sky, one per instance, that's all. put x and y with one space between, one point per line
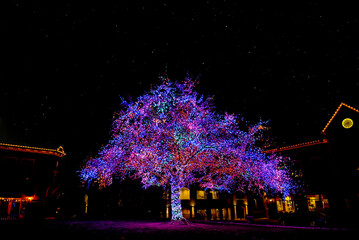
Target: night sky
65 64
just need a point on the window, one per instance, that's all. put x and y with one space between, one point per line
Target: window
279 204
289 205
215 214
215 195
201 194
325 203
317 202
185 194
312 199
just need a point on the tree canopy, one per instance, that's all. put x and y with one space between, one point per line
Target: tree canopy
172 136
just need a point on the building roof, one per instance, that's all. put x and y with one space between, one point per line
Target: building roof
316 142
59 152
336 112
299 145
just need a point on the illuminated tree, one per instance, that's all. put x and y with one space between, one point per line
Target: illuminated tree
172 136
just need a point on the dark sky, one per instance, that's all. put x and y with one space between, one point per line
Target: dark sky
65 64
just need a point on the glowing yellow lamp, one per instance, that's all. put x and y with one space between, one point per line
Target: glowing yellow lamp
347 123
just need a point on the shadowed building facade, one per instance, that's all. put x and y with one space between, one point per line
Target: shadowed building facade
329 167
28 181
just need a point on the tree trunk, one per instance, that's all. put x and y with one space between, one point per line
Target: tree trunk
176 203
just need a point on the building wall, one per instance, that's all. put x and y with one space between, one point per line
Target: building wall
27 179
329 171
344 165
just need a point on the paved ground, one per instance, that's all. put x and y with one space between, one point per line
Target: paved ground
121 230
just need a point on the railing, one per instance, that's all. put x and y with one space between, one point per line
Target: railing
9 218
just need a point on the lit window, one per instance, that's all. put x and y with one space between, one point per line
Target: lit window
215 195
285 206
317 202
312 200
279 204
185 194
201 194
325 203
215 214
289 205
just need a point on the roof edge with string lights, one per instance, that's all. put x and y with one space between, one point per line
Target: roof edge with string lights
59 152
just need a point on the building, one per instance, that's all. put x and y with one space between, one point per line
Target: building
28 181
215 205
329 166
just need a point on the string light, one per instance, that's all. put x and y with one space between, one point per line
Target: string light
299 145
21 148
173 136
336 112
